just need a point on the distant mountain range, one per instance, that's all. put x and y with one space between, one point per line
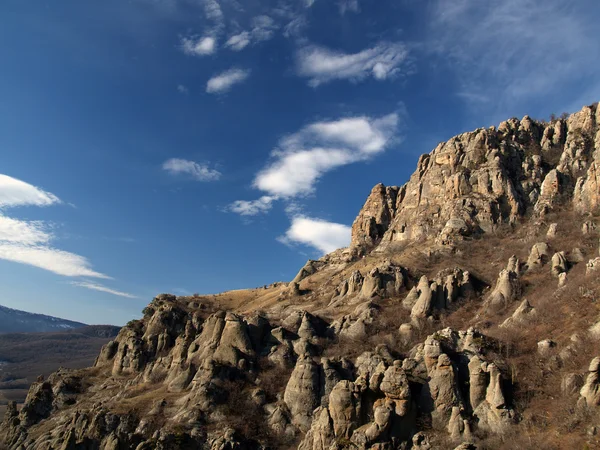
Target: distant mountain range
15 321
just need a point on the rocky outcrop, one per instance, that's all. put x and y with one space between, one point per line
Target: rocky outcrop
302 392
590 392
479 180
538 256
356 325
384 281
559 264
592 266
383 402
507 289
375 216
448 287
522 315
310 268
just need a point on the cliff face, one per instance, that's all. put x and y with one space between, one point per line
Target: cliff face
481 179
444 333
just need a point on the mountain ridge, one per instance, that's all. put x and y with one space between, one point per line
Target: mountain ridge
17 321
462 315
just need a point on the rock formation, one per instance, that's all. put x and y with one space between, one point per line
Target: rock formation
356 352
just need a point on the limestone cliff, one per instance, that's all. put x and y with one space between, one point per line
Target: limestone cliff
479 180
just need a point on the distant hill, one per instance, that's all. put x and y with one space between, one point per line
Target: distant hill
15 321
24 356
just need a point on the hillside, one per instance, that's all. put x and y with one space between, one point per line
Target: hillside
25 356
463 315
15 321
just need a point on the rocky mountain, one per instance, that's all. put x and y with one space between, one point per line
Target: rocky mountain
15 321
463 315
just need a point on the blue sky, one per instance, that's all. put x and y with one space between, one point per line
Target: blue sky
189 146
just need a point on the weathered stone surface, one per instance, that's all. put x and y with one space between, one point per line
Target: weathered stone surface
376 215
590 391
302 392
507 289
592 266
523 314
538 256
559 264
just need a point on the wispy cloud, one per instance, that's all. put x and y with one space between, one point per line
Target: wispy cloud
199 46
348 5
252 207
515 51
262 29
102 288
322 65
15 192
213 11
48 258
238 41
28 242
303 157
200 172
320 234
224 81
182 89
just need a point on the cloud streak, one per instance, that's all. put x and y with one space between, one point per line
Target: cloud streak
514 51
322 65
28 242
302 158
51 259
15 192
262 29
101 288
199 172
224 81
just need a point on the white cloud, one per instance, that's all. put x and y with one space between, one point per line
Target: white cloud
320 234
200 172
226 80
348 5
262 29
28 242
199 46
102 288
182 89
252 207
213 11
515 51
305 156
47 258
322 65
15 192
296 173
239 41
18 231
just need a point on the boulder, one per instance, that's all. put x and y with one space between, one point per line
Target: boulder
523 314
559 264
538 256
590 391
592 266
302 392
